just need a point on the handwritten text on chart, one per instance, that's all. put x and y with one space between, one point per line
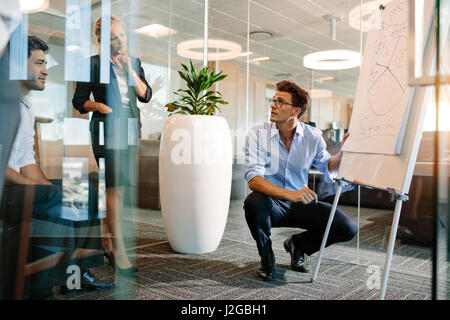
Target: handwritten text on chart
370 127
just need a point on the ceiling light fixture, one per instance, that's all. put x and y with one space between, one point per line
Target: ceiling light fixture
31 6
156 30
321 93
260 35
72 48
324 79
247 53
332 60
370 15
261 59
232 50
333 18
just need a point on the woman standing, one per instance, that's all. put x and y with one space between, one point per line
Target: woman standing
115 112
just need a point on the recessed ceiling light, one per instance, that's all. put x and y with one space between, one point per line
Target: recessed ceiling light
156 30
261 59
31 6
224 50
332 60
321 93
324 79
72 48
245 54
260 35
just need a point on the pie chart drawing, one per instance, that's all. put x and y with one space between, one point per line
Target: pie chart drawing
387 82
385 106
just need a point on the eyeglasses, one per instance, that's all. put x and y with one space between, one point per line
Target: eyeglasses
278 103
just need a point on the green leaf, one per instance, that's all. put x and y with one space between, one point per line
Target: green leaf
194 99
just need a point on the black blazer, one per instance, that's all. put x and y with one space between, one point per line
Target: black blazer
109 94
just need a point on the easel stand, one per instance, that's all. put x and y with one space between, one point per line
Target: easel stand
387 264
341 184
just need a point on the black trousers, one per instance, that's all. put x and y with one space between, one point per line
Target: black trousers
263 213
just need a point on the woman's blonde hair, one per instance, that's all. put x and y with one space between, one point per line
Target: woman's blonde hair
98 26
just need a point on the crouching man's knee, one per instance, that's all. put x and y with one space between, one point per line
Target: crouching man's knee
254 205
349 230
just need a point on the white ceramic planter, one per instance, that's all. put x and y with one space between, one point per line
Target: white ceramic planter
195 166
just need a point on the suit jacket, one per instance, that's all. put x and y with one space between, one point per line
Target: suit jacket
109 94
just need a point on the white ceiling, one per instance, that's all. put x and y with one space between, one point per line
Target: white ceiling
298 28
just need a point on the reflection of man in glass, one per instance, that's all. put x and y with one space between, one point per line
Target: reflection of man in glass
23 170
278 156
115 111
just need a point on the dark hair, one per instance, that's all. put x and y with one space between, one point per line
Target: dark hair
34 43
300 97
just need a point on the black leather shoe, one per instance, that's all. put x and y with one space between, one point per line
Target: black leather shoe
88 282
298 258
267 267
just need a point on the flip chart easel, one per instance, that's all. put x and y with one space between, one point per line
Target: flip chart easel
389 172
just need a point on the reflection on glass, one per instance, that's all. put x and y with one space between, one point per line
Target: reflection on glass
105 42
78 44
153 113
19 51
442 205
75 183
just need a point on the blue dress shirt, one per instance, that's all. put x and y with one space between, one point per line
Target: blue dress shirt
267 157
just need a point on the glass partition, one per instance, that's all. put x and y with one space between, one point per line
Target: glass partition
98 135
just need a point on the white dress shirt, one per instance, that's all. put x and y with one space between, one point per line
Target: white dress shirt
22 153
266 156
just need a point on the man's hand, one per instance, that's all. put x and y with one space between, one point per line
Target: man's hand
335 160
305 195
345 137
103 108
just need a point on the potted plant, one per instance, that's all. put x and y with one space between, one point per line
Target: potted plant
195 165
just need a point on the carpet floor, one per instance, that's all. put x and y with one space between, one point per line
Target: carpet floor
349 271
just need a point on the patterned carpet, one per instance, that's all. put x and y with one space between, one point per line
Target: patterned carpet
229 273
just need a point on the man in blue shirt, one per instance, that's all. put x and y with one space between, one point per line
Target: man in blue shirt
278 156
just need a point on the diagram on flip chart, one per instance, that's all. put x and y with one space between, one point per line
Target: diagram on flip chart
382 95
